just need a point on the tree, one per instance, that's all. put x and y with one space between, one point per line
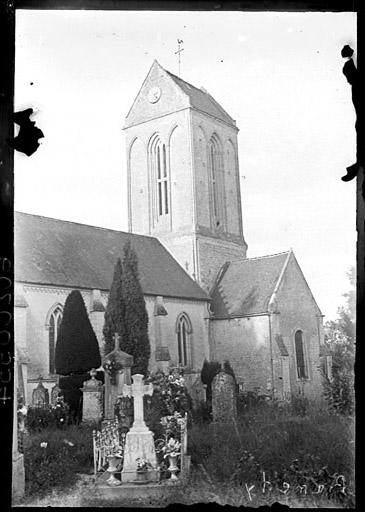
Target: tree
209 370
77 349
114 313
135 334
340 339
228 369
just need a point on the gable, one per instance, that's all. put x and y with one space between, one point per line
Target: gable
175 94
172 98
294 291
55 252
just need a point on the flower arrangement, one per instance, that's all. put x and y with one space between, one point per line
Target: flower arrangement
112 366
171 448
172 424
117 451
22 414
171 390
38 418
143 465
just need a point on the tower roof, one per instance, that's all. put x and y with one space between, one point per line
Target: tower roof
202 100
177 94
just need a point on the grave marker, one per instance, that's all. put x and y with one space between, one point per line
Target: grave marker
92 399
224 398
139 440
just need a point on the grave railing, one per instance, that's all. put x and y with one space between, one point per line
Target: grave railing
105 443
181 459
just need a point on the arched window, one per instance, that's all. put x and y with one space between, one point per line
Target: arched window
216 173
159 167
54 327
183 330
215 185
300 355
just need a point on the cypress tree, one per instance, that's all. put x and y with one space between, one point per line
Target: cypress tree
209 371
135 337
77 349
114 313
228 369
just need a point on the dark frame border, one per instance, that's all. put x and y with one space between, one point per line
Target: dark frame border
7 68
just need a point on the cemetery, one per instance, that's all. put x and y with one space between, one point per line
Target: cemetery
112 432
230 457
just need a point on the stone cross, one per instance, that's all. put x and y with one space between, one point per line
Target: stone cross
137 390
116 341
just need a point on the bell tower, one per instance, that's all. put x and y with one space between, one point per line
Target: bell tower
183 174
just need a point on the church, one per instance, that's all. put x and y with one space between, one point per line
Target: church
206 300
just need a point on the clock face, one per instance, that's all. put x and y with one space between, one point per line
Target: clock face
154 94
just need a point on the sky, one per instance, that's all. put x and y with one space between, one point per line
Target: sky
279 75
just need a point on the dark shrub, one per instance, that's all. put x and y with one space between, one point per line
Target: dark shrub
135 339
202 413
77 349
52 416
70 388
115 310
209 371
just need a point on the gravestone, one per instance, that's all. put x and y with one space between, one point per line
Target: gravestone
55 392
40 395
139 441
92 409
224 398
113 386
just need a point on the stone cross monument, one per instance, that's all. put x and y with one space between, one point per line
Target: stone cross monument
124 362
139 440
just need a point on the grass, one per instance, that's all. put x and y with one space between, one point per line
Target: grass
267 439
227 460
56 466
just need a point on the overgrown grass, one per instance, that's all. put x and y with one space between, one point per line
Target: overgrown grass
310 450
56 465
233 458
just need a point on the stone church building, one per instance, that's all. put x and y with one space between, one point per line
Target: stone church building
205 299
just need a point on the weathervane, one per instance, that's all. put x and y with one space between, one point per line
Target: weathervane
179 50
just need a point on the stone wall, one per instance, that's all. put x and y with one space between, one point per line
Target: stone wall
197 313
173 131
42 300
188 231
245 343
299 311
212 254
203 127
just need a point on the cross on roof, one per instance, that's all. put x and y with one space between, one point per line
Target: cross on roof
178 52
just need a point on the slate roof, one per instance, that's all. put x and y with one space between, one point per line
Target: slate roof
56 252
246 286
202 100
